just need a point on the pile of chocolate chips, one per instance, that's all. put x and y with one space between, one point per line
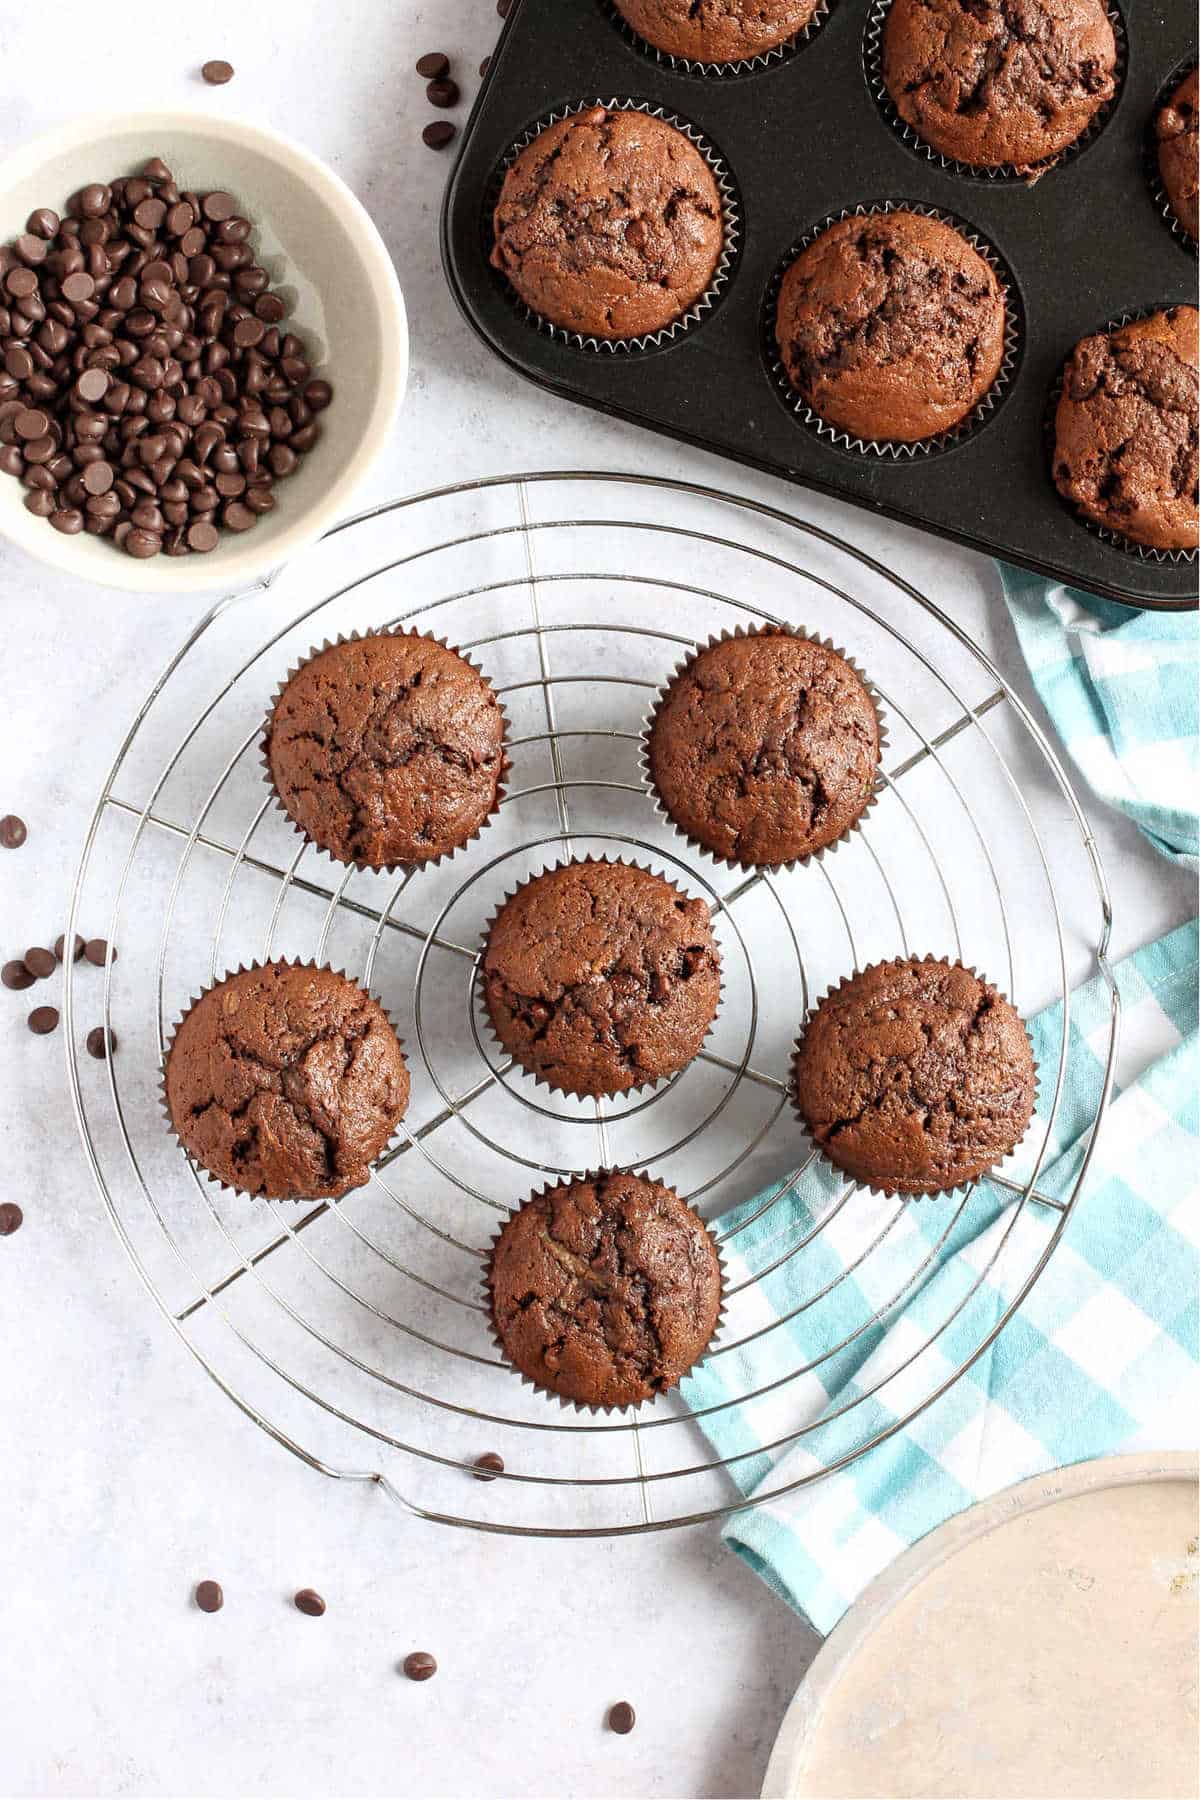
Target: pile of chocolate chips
147 394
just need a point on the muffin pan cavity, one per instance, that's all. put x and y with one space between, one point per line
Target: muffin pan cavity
802 140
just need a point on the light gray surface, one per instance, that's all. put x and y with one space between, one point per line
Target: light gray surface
126 1475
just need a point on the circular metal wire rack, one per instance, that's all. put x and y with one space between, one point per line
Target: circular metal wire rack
355 1334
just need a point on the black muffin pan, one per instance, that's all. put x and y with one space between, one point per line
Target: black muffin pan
803 138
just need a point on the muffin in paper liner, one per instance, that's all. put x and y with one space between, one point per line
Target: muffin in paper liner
1154 180
595 1408
1114 539
742 65
289 962
896 449
353 637
681 668
730 222
658 1081
886 1191
1027 174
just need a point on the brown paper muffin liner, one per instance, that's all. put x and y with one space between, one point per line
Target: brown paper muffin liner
730 218
744 65
844 1175
1154 182
681 668
352 637
1128 547
289 962
1027 174
640 1087
892 448
564 1400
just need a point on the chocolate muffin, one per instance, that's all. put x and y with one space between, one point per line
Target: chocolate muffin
286 1081
891 326
609 224
1125 437
387 749
915 1076
600 976
1176 133
716 31
999 82
764 748
605 1290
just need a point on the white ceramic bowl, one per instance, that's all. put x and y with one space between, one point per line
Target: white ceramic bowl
324 254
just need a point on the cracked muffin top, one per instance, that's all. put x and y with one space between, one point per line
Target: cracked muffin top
286 1081
994 82
387 749
605 1290
915 1076
599 977
1125 431
716 31
765 748
609 224
1175 128
891 326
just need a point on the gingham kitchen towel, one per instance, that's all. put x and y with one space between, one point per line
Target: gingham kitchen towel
1101 1357
1121 689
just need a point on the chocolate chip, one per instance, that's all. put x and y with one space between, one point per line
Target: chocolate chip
68 520
217 73
488 1466
308 1601
11 1218
96 949
622 1718
209 1596
442 93
484 66
43 1019
92 385
218 206
504 7
433 67
203 536
60 944
419 1665
16 976
43 222
99 1043
12 832
40 962
439 133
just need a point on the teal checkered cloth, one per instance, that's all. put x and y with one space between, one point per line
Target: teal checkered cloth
1103 1353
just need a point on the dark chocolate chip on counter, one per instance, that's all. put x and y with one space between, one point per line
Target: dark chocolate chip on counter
101 1043
40 962
210 1597
622 1718
96 949
442 93
434 66
438 134
488 1466
16 976
504 7
12 829
43 1020
60 944
419 1665
217 73
11 1218
484 66
308 1601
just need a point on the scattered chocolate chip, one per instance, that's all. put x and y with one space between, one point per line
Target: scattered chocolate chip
488 1466
43 1020
209 1596
433 67
308 1601
217 73
442 93
97 1045
622 1718
11 1218
419 1665
40 963
60 944
504 7
16 976
96 949
12 829
438 134
484 66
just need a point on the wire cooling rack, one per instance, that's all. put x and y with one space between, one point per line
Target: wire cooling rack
355 1334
